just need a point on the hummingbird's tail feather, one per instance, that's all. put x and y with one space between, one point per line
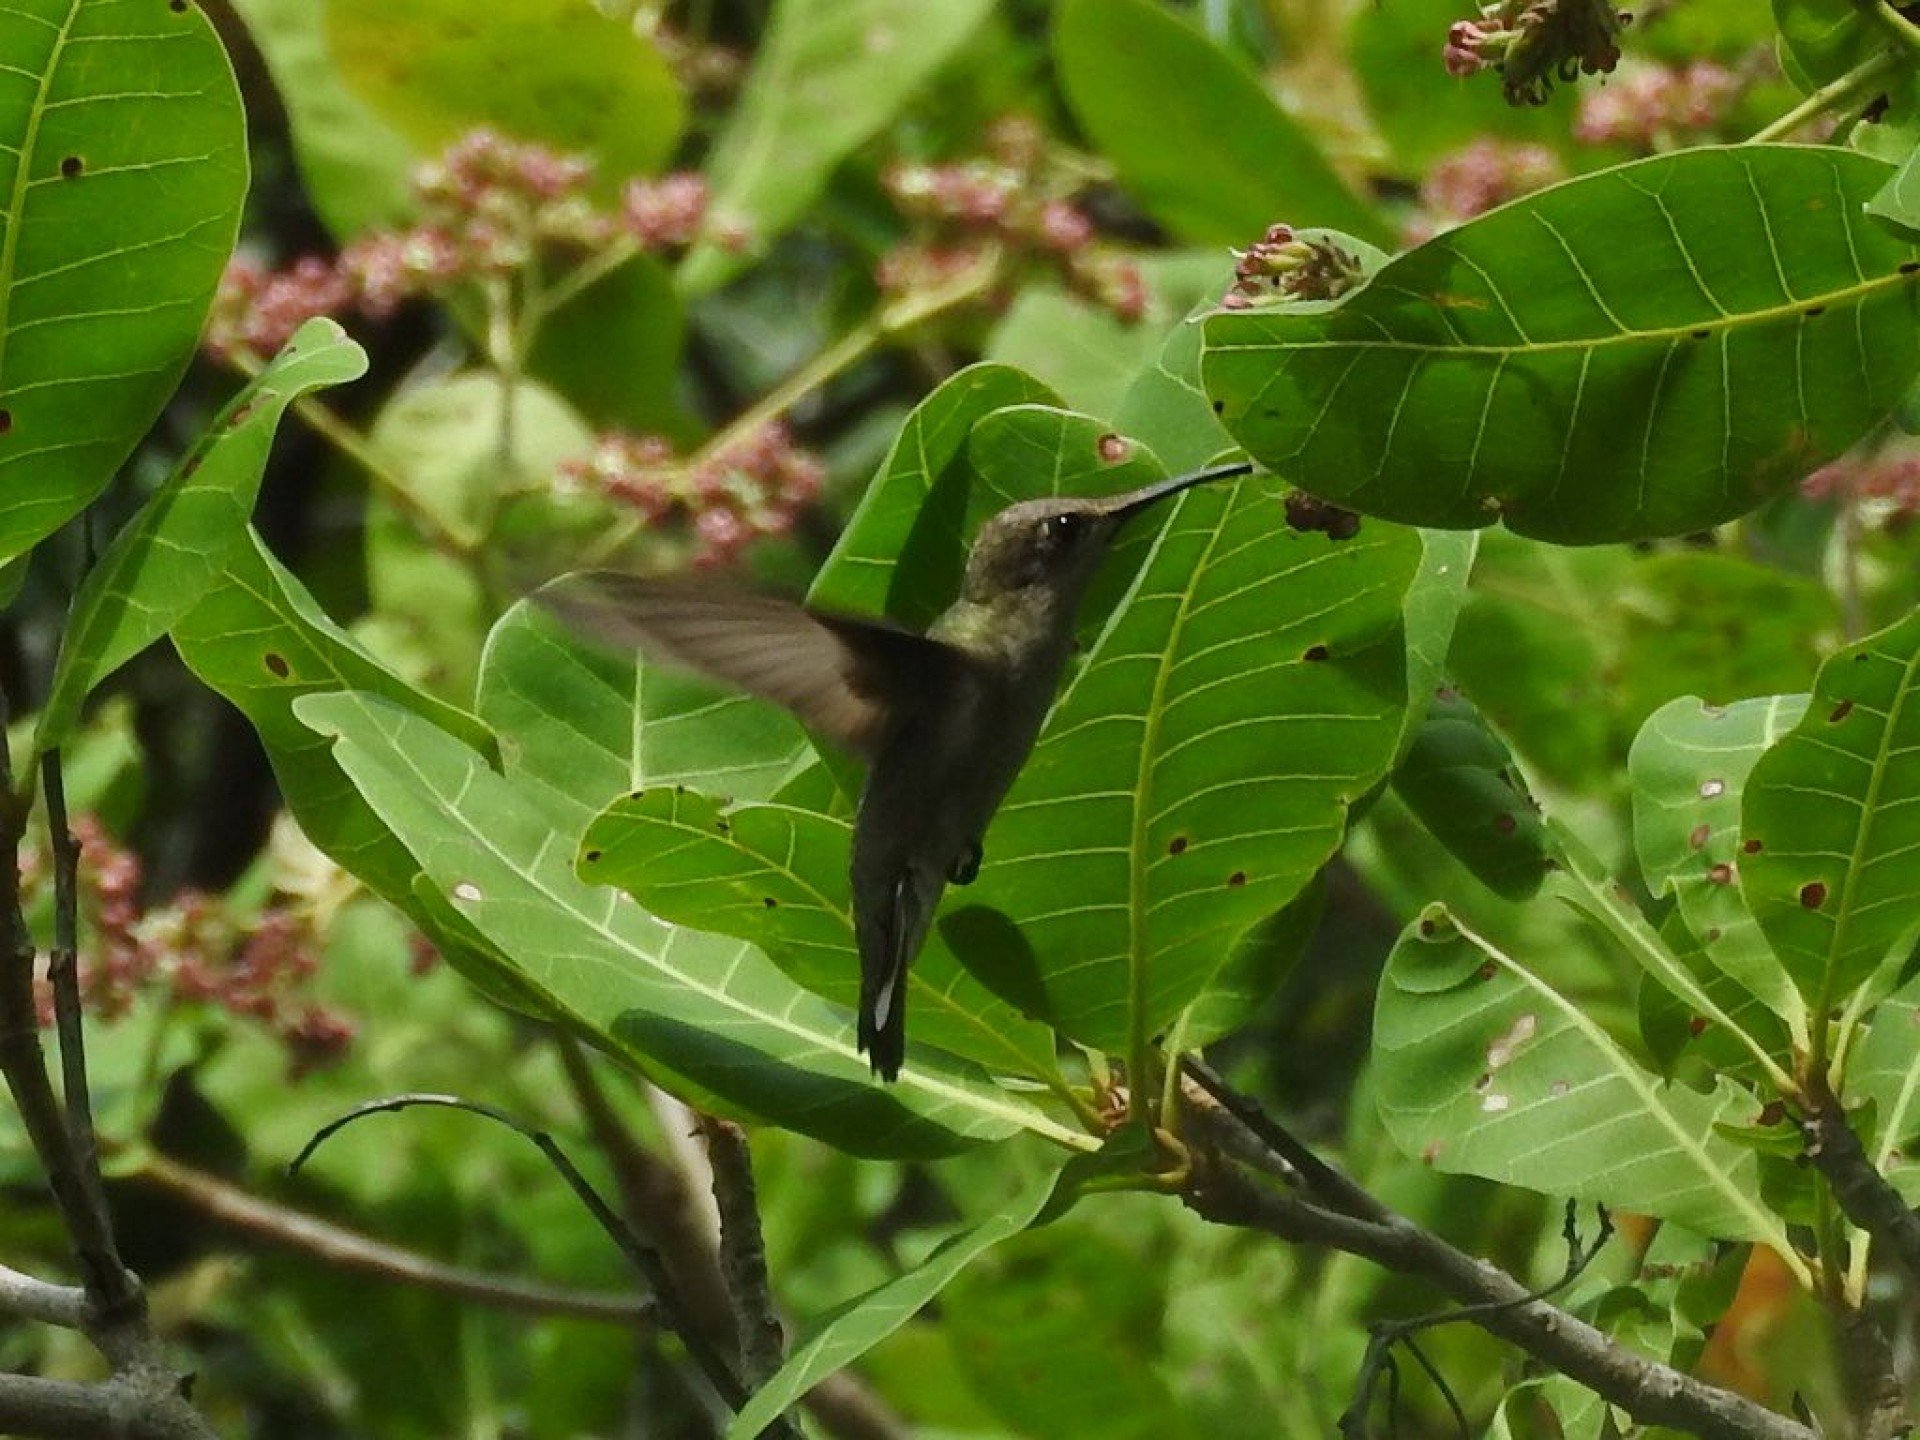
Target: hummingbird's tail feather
887 946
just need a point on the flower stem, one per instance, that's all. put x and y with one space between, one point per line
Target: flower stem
1833 94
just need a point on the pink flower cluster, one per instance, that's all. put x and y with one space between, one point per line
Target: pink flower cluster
1656 107
1010 203
1892 478
1285 265
1476 179
1532 43
489 207
756 486
194 951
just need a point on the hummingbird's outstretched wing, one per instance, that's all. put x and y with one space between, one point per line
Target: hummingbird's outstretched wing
849 679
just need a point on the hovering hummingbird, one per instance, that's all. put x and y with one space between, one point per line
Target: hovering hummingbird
944 720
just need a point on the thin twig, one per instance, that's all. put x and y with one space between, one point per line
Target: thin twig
641 1255
31 1298
1835 92
63 974
348 1250
743 1253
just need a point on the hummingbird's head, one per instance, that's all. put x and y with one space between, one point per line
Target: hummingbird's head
1055 544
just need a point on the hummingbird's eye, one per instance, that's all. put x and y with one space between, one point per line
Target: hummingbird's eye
1063 530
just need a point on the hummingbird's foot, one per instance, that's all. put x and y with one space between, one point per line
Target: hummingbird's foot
966 865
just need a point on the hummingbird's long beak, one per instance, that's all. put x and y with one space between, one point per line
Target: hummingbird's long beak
1125 507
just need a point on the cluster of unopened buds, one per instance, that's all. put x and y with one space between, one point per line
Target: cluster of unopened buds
488 207
1532 43
1476 179
1286 265
1007 206
1658 107
194 951
1889 483
750 488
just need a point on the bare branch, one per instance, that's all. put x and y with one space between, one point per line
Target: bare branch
261 1220
1355 1222
134 1406
33 1299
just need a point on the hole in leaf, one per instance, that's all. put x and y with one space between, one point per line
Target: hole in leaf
466 890
72 166
1840 712
1237 879
6 421
1709 789
277 663
593 857
1177 845
1813 312
179 7
1315 652
769 902
1701 334
1813 894
1219 407
1754 847
1911 267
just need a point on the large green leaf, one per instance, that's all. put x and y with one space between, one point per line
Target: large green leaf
1689 767
1830 827
354 166
580 724
902 551
776 876
555 71
828 77
857 1327
1530 367
1485 1068
123 161
1166 409
164 559
259 639
1198 772
1195 136
706 1008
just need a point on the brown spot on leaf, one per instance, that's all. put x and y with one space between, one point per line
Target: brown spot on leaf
1813 312
1315 652
1113 449
1699 835
1176 845
1840 712
1721 874
1772 1113
1488 970
72 166
1237 879
1505 823
6 421
1813 894
1713 934
1910 267
277 663
593 857
1697 1024
1753 847
1701 334
769 902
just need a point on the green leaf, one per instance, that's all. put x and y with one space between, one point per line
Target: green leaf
828 77
1434 602
903 549
1898 201
553 71
1460 779
259 639
707 1009
776 877
1530 367
1689 767
1830 827
580 724
857 1327
123 152
162 562
1485 1068
1885 1071
354 166
1199 770
1165 408
1087 354
1195 136
613 350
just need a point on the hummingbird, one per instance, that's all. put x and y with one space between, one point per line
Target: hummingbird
944 719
